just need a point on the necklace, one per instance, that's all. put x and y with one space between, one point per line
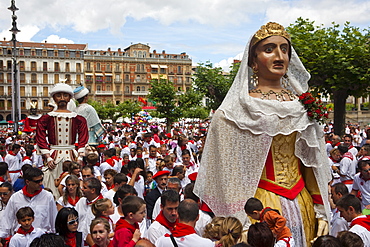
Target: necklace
279 96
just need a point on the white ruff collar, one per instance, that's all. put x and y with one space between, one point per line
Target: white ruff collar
62 114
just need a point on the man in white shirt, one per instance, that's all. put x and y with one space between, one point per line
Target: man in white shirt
350 209
184 233
14 162
167 218
361 183
347 140
338 223
347 167
32 195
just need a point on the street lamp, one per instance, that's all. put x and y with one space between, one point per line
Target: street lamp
15 84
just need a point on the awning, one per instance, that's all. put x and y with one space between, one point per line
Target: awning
154 76
99 74
89 74
108 74
163 66
155 66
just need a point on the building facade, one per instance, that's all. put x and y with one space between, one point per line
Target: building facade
40 66
122 75
113 76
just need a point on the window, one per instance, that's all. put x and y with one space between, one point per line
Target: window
127 78
22 78
163 71
33 78
34 91
45 78
98 88
97 66
142 88
99 78
33 66
108 67
117 66
138 88
118 88
108 88
56 78
179 69
45 91
108 79
21 66
45 103
67 67
127 89
88 78
78 67
88 66
45 66
56 66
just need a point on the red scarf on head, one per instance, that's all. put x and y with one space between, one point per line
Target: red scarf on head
71 201
21 231
24 189
110 162
70 239
122 223
363 221
137 177
99 197
182 230
11 153
164 222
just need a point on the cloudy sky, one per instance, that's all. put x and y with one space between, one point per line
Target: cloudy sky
207 30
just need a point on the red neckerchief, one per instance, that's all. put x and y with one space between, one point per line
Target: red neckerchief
11 153
183 147
71 201
348 155
362 177
139 156
336 145
137 177
204 207
62 174
109 187
122 223
99 197
182 230
26 158
111 162
21 231
115 158
335 161
24 189
107 218
363 221
70 239
2 179
109 245
152 157
164 222
190 165
350 147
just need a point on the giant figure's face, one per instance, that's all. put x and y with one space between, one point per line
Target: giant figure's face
62 99
272 58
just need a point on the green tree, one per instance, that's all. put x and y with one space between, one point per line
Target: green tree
111 111
128 108
163 92
212 82
190 105
337 59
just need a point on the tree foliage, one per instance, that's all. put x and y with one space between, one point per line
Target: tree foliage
212 83
338 60
173 104
111 111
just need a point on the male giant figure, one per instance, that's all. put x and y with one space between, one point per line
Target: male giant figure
56 135
96 129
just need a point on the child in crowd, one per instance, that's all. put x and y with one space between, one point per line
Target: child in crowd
4 173
103 208
127 231
26 233
276 222
231 230
108 178
212 229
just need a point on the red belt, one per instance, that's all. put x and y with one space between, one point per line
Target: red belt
347 182
16 171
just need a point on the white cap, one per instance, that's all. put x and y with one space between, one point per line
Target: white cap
80 92
61 88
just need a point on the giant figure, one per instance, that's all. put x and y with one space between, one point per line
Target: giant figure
262 143
56 135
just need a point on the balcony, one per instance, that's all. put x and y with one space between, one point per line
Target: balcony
117 70
104 92
117 93
117 81
140 92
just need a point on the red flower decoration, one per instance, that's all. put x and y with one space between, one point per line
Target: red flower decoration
315 109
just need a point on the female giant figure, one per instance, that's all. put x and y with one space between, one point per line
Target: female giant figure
261 142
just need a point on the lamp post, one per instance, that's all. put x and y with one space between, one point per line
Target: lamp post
15 84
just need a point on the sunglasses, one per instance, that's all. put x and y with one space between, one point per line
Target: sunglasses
71 222
38 181
368 170
4 193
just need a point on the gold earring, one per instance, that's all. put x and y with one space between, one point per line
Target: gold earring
254 77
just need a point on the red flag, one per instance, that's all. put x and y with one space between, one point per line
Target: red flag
143 101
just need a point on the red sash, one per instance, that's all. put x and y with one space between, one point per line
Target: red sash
71 201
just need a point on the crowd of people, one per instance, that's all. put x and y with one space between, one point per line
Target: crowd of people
259 175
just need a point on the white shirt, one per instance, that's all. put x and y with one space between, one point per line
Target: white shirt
362 232
139 186
185 241
21 240
338 223
347 168
364 186
201 223
155 231
85 216
42 204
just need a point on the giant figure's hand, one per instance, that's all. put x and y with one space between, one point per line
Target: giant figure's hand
323 227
